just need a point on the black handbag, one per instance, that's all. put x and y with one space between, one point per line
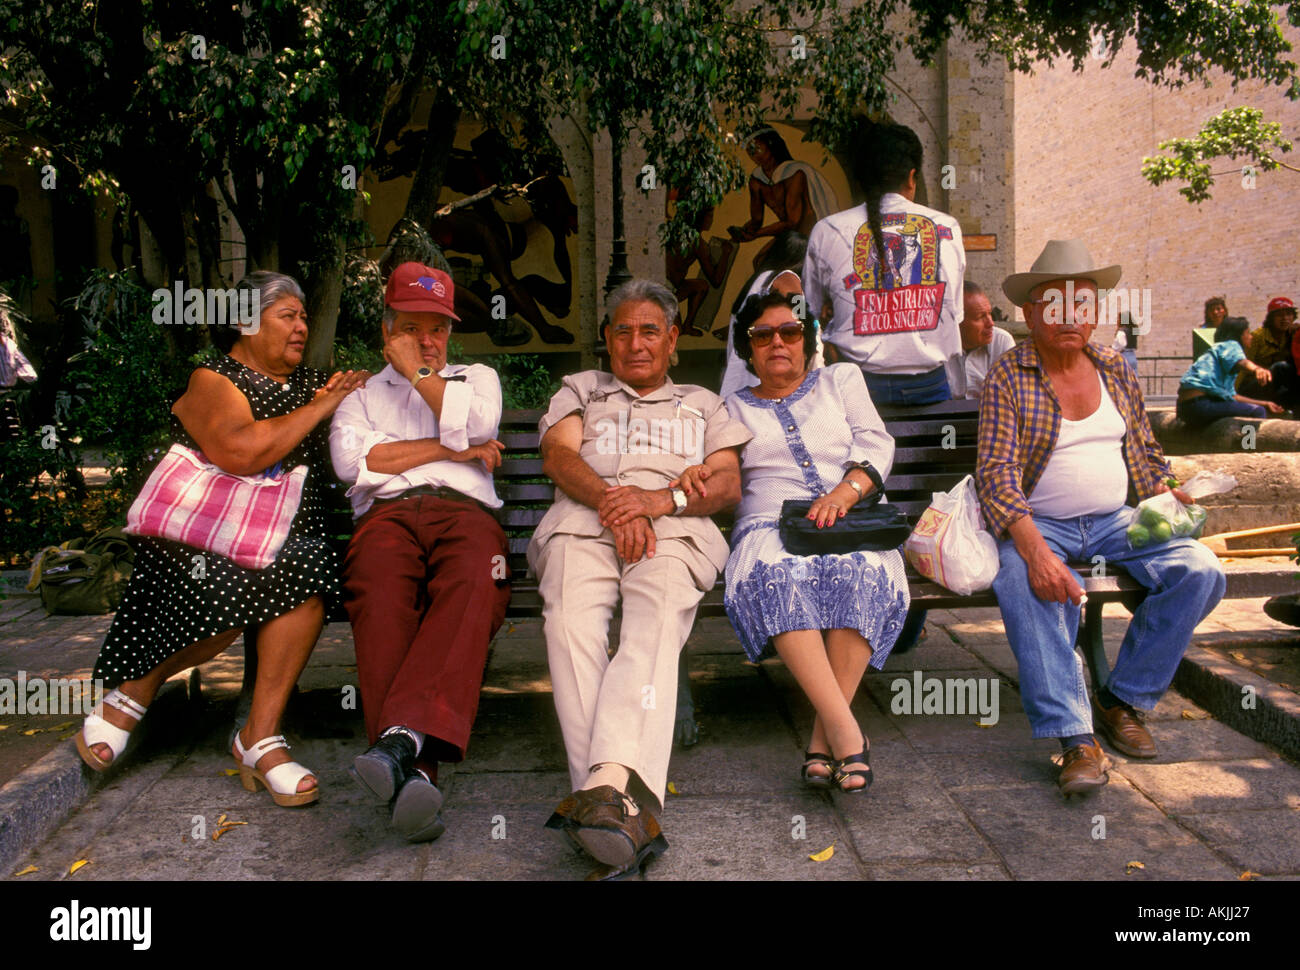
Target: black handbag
866 526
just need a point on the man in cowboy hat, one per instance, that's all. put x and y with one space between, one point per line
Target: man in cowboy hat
1064 443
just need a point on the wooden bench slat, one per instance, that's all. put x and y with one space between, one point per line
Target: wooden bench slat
964 429
521 518
520 468
514 492
959 457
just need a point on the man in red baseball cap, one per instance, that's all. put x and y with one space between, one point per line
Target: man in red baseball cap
425 576
1271 347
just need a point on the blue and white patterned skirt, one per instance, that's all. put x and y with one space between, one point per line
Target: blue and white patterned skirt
771 591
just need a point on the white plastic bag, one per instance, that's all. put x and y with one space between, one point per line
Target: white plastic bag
948 544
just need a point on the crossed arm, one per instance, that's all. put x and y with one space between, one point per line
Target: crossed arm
628 510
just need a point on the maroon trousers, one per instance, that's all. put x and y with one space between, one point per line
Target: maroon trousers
424 597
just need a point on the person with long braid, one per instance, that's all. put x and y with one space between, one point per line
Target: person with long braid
891 270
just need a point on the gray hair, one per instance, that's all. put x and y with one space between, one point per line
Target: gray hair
644 291
271 286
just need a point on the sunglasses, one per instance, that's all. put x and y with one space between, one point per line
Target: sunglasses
791 333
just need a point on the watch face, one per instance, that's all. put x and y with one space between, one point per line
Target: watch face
425 372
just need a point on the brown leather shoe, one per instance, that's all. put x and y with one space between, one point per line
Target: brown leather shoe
578 803
1123 730
610 834
1083 769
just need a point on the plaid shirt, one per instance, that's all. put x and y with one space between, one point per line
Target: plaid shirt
1020 419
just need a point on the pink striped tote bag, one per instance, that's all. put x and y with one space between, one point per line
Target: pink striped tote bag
244 518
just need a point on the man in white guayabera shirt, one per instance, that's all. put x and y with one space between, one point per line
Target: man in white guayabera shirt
1064 446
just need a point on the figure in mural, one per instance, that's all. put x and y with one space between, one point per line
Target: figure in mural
795 191
714 257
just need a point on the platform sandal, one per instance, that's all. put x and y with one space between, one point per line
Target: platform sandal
282 780
840 773
95 730
820 782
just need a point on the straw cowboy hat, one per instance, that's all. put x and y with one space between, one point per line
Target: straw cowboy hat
1060 259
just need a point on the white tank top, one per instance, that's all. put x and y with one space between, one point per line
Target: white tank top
1085 474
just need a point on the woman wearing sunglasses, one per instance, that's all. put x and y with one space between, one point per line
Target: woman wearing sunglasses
816 436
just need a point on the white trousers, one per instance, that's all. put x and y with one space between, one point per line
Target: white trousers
619 710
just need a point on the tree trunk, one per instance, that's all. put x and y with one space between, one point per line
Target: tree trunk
429 175
323 295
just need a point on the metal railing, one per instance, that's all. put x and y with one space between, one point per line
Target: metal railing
1160 375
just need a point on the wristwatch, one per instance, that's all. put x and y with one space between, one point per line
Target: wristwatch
679 501
421 374
870 471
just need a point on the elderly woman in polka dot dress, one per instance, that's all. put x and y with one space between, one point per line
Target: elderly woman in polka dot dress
245 411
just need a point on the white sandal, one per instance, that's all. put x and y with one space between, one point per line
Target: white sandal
95 730
282 780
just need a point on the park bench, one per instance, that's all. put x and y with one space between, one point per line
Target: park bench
935 447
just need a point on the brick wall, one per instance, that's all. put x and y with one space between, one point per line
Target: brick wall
1079 143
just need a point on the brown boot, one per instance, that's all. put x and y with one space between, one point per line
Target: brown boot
1083 769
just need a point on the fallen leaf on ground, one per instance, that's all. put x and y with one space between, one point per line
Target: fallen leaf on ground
224 829
1248 875
824 854
1130 866
1238 654
77 865
979 723
26 872
1194 716
672 789
230 772
70 734
221 819
62 727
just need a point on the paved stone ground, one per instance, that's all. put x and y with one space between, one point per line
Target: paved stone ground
952 800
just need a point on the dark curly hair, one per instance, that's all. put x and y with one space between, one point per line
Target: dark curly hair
754 308
1210 304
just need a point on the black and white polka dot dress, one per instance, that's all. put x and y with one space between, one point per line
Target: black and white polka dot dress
179 594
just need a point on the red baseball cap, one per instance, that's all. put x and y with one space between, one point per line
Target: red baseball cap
1280 303
421 289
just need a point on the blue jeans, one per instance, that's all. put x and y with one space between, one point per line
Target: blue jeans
928 388
1185 582
1197 412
